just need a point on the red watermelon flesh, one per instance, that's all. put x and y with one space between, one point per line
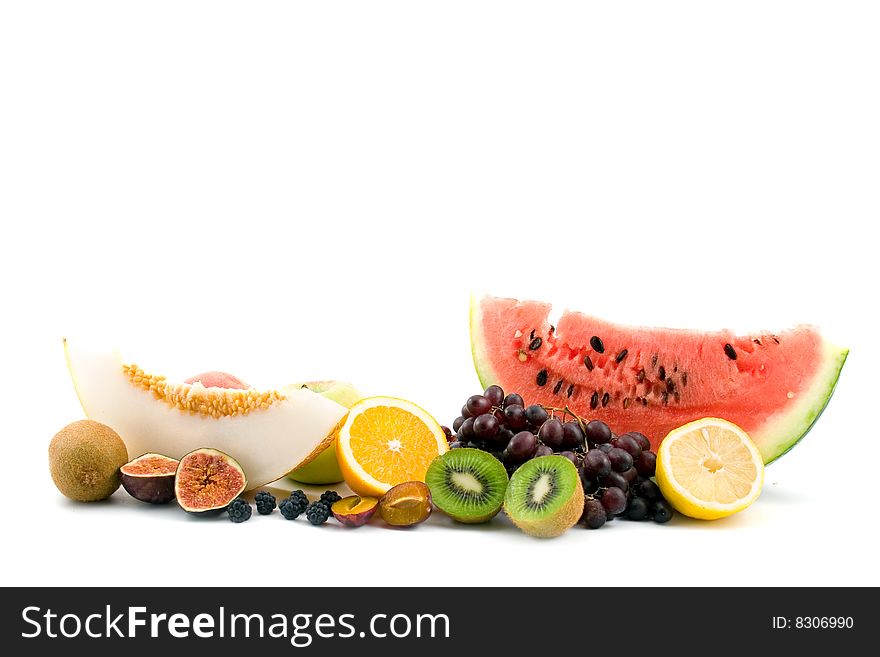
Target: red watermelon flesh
655 379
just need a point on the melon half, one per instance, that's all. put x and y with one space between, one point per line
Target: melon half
269 432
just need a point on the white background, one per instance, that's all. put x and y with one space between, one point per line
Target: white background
292 191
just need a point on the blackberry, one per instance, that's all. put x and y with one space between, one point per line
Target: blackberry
318 512
330 497
265 503
239 510
294 505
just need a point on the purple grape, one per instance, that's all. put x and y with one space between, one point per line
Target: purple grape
630 475
614 480
605 447
648 489
477 405
571 456
638 509
551 433
594 514
640 438
647 464
522 446
543 450
613 501
621 461
628 444
495 395
515 417
504 436
536 415
596 464
486 426
457 424
513 399
590 485
465 413
661 511
573 435
467 428
597 432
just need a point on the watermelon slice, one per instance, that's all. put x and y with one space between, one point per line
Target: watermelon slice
653 380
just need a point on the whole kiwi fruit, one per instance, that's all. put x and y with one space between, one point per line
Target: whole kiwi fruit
84 460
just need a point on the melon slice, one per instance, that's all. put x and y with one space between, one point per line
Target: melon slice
269 433
653 380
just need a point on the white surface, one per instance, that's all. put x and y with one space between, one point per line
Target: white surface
293 192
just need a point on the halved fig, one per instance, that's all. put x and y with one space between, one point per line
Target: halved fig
208 480
150 478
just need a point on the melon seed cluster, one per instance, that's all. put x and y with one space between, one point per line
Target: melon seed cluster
196 399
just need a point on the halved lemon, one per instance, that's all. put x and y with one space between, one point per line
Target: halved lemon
385 441
709 469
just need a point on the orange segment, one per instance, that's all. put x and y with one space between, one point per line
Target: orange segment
386 441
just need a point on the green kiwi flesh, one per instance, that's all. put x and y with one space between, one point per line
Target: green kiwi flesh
545 496
467 484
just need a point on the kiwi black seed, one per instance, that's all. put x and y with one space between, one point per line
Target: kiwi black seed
467 484
545 496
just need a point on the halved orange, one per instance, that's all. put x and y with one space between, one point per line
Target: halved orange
385 441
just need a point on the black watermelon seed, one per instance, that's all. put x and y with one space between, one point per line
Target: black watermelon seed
625 403
596 344
756 341
654 360
662 373
644 401
570 391
588 362
535 344
558 387
594 400
775 339
552 329
542 378
621 355
532 335
730 351
670 385
665 397
684 378
641 375
605 399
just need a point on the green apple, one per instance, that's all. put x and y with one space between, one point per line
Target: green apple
324 469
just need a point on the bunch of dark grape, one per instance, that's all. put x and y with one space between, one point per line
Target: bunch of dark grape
616 474
513 432
616 471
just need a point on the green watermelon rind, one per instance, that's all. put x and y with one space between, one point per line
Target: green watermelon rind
790 426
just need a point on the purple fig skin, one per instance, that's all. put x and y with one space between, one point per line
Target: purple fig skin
157 489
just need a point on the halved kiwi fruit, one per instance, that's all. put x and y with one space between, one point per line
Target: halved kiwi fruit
545 496
467 484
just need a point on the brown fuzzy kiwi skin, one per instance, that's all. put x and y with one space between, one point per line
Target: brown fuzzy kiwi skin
84 460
